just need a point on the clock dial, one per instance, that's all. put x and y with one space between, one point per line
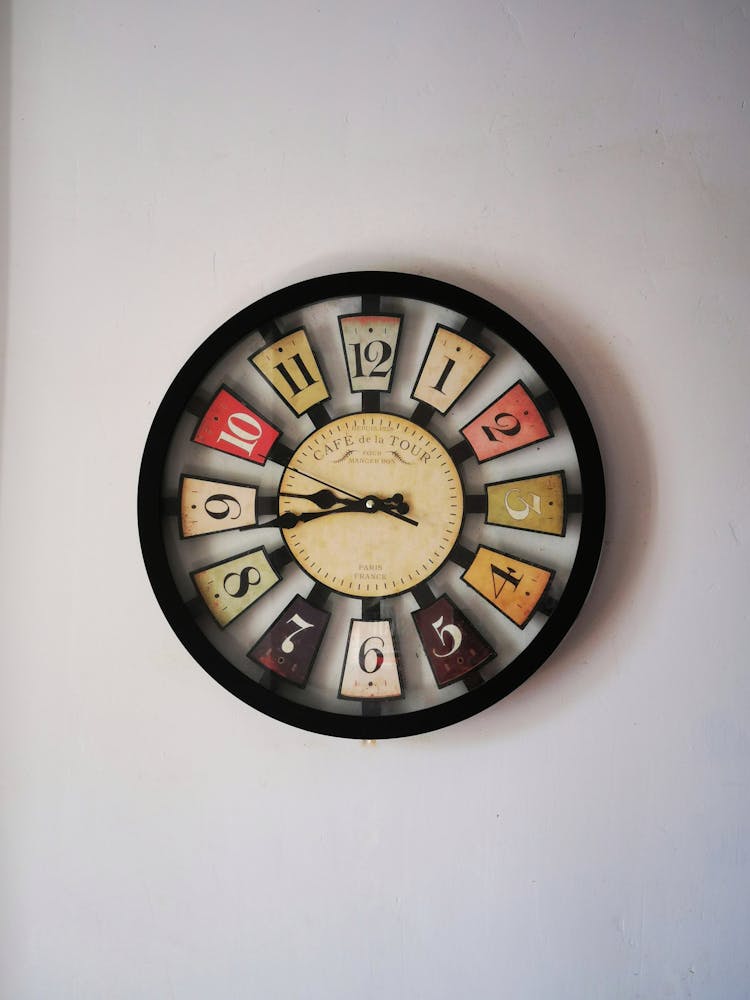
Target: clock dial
371 504
358 476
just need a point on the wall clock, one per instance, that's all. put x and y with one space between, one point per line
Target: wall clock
371 504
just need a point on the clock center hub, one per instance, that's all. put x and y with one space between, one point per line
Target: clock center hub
380 465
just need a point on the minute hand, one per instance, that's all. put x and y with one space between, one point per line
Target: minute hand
386 510
323 498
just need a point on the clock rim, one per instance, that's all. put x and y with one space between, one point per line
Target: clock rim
296 296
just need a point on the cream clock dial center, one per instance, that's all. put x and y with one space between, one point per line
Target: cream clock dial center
378 501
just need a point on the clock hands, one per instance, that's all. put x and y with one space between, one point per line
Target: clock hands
323 498
326 499
307 475
290 520
367 505
394 505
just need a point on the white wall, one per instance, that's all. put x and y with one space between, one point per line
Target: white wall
584 165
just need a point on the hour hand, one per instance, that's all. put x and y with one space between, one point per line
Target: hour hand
286 520
326 499
367 505
289 519
323 498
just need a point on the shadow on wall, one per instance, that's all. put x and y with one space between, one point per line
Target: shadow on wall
630 474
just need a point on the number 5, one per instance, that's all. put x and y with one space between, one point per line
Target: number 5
453 631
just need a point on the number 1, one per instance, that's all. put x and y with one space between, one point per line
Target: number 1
449 364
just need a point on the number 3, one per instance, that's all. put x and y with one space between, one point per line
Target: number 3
521 513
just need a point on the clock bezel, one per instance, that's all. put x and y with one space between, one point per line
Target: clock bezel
290 299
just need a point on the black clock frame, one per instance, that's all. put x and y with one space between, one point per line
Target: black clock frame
287 300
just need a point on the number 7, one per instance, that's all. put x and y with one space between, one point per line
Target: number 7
287 645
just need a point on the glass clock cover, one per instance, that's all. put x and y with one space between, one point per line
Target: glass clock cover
371 504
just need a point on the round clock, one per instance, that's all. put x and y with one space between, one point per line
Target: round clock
371 504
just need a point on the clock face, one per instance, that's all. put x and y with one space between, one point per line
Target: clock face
371 504
370 462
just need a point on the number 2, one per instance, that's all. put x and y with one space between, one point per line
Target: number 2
510 430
